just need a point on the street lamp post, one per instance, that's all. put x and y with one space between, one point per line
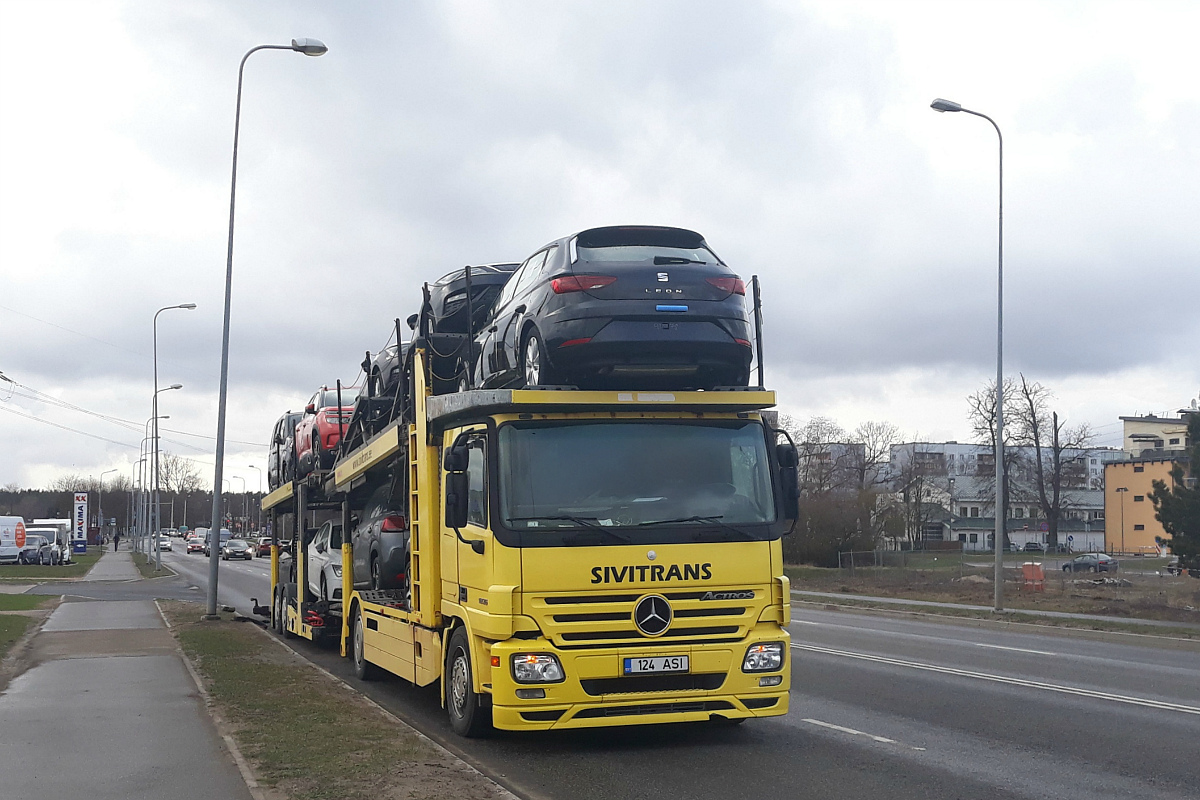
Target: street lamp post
309 47
143 483
157 508
259 498
100 502
243 480
949 105
1121 491
154 411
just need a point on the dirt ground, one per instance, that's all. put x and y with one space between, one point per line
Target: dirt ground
1174 598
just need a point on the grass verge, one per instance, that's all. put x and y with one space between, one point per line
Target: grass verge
12 628
305 735
79 566
23 602
145 566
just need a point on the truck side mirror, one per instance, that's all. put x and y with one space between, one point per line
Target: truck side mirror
455 463
785 455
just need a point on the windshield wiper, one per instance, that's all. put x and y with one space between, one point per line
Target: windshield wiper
713 520
591 523
661 260
585 522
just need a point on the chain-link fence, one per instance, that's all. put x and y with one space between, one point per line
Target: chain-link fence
878 562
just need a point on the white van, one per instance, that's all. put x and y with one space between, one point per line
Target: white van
63 538
12 531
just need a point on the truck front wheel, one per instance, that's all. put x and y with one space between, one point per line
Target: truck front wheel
468 716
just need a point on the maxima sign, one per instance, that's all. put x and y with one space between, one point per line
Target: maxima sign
79 524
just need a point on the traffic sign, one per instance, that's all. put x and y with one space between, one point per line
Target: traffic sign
1070 537
1045 526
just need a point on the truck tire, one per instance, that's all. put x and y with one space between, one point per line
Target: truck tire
289 595
468 716
365 670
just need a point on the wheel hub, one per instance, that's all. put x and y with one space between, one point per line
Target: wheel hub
458 685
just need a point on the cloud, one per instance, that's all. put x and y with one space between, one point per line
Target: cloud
798 139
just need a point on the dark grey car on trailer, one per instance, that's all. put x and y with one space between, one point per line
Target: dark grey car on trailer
634 307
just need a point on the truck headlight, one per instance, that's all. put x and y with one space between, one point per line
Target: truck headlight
536 668
763 657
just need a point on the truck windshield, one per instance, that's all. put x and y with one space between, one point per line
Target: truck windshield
635 475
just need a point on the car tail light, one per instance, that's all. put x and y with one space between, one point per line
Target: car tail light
743 342
731 285
573 342
393 523
580 283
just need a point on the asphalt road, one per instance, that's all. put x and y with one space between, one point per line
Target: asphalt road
880 707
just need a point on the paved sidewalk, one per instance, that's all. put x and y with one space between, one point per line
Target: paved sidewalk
900 601
111 698
112 566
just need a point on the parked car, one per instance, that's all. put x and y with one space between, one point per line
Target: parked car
380 542
262 547
51 551
281 466
31 553
323 570
236 548
1091 562
637 307
195 544
318 433
1034 547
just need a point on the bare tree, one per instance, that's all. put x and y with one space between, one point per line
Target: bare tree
1040 429
981 413
876 439
178 474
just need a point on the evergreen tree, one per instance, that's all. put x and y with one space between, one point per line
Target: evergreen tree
1177 506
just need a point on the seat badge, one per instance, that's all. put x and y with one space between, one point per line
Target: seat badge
663 277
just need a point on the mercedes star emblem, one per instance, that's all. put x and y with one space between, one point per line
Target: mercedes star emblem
652 615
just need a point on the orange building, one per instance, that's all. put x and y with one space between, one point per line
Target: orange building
1130 525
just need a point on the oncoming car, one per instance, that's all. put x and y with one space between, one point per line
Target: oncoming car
630 307
236 548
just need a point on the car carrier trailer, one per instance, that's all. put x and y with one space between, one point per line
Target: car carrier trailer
532 613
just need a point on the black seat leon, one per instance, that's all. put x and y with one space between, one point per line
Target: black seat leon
621 307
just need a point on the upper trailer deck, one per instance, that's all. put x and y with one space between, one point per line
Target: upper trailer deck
449 407
445 409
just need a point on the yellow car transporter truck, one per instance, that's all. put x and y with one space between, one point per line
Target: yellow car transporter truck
577 558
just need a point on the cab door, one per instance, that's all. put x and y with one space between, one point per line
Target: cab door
474 544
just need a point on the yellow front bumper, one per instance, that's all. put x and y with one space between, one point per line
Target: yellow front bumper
595 693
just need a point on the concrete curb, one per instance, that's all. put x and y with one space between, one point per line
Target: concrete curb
218 721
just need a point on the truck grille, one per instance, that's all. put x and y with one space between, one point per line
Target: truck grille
606 620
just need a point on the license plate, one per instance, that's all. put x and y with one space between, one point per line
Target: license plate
634 666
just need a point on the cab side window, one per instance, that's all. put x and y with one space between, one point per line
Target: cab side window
477 496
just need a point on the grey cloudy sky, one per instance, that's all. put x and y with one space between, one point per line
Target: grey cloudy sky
796 136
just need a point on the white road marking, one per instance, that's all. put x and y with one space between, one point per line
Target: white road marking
850 731
804 622
1016 649
985 676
